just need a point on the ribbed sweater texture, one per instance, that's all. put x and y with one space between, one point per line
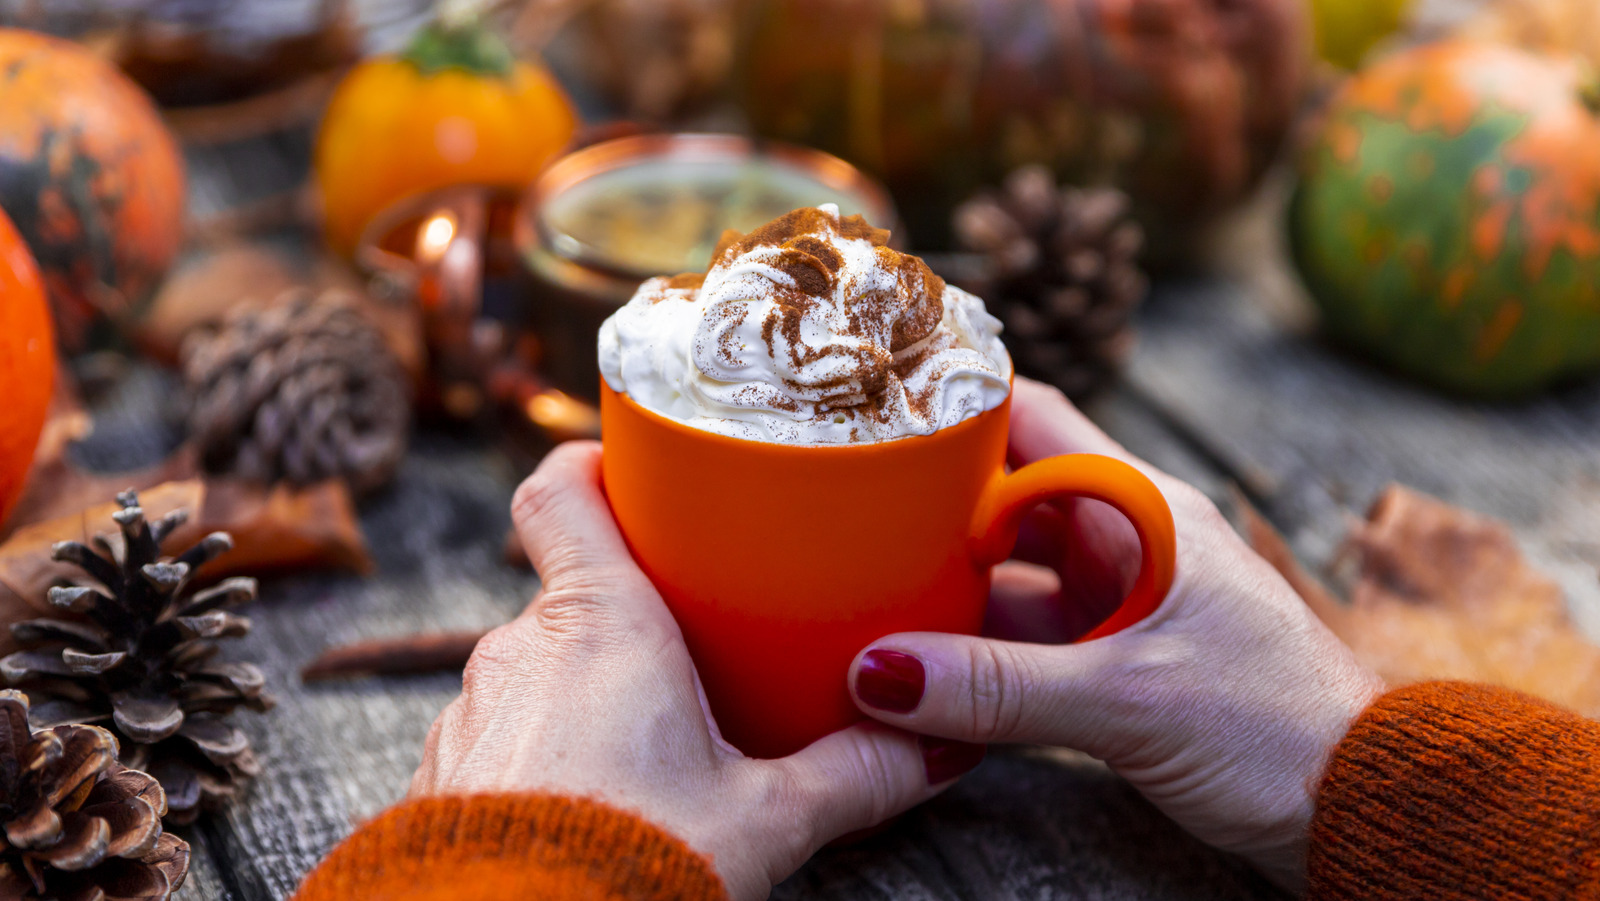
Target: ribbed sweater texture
1442 791
1449 791
506 846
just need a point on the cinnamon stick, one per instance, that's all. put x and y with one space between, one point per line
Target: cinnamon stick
410 654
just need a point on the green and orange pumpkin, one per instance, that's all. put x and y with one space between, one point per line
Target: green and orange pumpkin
92 179
1448 218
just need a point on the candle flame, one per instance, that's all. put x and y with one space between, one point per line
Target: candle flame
564 416
435 237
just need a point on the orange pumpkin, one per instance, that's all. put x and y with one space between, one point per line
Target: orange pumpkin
27 362
91 177
455 108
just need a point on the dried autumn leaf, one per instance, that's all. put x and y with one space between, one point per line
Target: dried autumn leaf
202 292
276 529
1443 593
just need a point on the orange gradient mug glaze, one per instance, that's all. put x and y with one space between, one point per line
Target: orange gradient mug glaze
781 562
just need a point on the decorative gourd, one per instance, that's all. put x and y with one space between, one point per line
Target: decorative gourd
92 179
27 363
455 108
1448 218
1181 103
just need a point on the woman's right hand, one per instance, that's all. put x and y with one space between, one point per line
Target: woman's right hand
1222 707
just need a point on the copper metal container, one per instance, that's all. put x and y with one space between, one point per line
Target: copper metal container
512 290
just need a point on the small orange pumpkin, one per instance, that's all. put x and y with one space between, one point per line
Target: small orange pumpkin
455 108
27 362
91 177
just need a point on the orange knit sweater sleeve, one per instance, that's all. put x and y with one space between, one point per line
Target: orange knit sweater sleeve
1449 792
511 848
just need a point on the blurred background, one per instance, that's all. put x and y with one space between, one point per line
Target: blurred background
331 271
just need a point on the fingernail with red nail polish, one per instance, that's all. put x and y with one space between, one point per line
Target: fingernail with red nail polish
890 680
944 759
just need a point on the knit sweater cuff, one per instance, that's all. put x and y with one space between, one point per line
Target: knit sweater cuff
511 846
1453 791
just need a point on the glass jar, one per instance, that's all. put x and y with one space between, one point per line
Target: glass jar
603 219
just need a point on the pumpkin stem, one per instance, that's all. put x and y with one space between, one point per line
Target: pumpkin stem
460 43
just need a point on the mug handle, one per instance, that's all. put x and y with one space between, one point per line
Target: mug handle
1009 497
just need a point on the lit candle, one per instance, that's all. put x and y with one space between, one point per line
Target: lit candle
562 416
434 238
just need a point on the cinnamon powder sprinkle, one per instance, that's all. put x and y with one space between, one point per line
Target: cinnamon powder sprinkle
812 263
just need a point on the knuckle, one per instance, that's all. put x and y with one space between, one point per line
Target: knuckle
1190 503
997 690
877 774
1045 392
498 653
537 496
570 612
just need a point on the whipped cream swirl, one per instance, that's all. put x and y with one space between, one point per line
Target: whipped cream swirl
808 330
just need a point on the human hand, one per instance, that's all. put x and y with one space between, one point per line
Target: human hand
591 692
1222 707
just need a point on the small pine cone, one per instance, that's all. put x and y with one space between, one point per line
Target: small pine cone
1061 271
78 826
134 649
299 391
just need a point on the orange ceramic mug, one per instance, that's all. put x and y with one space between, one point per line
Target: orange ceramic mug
782 562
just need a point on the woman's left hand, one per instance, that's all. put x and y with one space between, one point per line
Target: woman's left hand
591 692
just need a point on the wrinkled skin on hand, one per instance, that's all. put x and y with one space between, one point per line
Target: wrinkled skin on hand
1222 708
591 692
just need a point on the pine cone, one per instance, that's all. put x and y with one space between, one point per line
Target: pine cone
134 650
301 390
1061 271
78 825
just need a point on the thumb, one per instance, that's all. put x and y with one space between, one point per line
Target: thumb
982 690
859 777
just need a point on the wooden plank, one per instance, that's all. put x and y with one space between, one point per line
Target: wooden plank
205 882
1322 433
1029 824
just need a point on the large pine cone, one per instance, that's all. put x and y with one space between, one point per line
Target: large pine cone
301 390
135 650
78 825
1060 269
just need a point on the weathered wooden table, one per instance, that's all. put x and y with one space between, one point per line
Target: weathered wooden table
1225 389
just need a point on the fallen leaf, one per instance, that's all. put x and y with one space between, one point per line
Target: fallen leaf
284 528
201 293
1444 593
205 288
274 530
56 488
